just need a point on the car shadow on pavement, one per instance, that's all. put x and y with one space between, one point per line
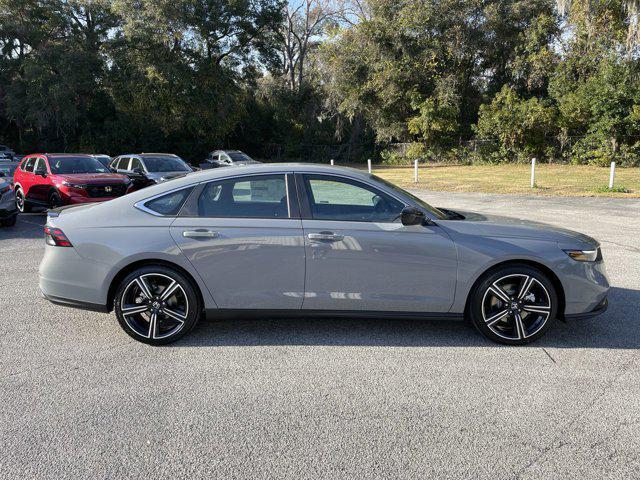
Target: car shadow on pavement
29 225
618 328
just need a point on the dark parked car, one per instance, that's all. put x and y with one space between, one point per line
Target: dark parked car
154 167
8 211
7 168
6 153
227 158
51 180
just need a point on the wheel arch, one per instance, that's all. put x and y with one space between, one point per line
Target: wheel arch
553 278
126 270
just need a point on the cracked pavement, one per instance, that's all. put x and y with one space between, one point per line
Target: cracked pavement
277 398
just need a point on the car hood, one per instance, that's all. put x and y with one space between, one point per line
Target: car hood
163 176
499 226
94 178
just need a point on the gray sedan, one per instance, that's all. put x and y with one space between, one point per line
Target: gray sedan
292 239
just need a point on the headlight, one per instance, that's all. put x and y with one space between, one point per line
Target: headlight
79 186
585 255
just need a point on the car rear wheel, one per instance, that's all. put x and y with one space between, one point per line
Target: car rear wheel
157 305
21 202
514 305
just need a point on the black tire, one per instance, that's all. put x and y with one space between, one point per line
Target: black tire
21 202
502 291
9 222
55 200
157 279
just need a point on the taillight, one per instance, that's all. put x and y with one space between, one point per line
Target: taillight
56 237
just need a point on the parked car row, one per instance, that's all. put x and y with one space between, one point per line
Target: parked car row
51 180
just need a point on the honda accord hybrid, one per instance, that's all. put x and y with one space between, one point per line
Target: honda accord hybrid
309 240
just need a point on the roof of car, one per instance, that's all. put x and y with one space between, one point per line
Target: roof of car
53 155
260 168
157 153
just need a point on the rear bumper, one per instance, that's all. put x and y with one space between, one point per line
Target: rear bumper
600 308
67 302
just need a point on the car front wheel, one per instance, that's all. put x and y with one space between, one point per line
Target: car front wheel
514 305
21 202
157 305
54 200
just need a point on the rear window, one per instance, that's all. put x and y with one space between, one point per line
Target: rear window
169 204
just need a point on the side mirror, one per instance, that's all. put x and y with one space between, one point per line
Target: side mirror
42 173
412 216
138 171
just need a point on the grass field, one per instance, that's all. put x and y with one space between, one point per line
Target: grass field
564 180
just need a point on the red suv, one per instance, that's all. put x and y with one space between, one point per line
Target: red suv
55 179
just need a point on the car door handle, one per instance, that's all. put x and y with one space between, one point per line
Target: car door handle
325 237
200 233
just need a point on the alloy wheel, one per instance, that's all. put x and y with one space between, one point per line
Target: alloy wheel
20 201
154 306
516 306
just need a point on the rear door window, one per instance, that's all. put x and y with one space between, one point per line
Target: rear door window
135 163
259 196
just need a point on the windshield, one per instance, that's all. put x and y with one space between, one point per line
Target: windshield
432 210
103 159
165 164
239 157
71 165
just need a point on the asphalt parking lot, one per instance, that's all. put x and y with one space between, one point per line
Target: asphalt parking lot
318 398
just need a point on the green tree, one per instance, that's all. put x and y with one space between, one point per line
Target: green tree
516 128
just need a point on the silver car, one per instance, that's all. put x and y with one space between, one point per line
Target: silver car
293 239
157 167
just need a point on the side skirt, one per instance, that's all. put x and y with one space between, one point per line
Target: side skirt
229 314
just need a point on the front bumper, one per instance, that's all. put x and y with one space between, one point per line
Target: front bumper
78 199
600 309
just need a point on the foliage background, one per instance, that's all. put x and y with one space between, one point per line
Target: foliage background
462 80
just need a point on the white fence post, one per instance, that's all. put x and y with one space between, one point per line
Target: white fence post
533 172
612 175
415 167
332 161
369 165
